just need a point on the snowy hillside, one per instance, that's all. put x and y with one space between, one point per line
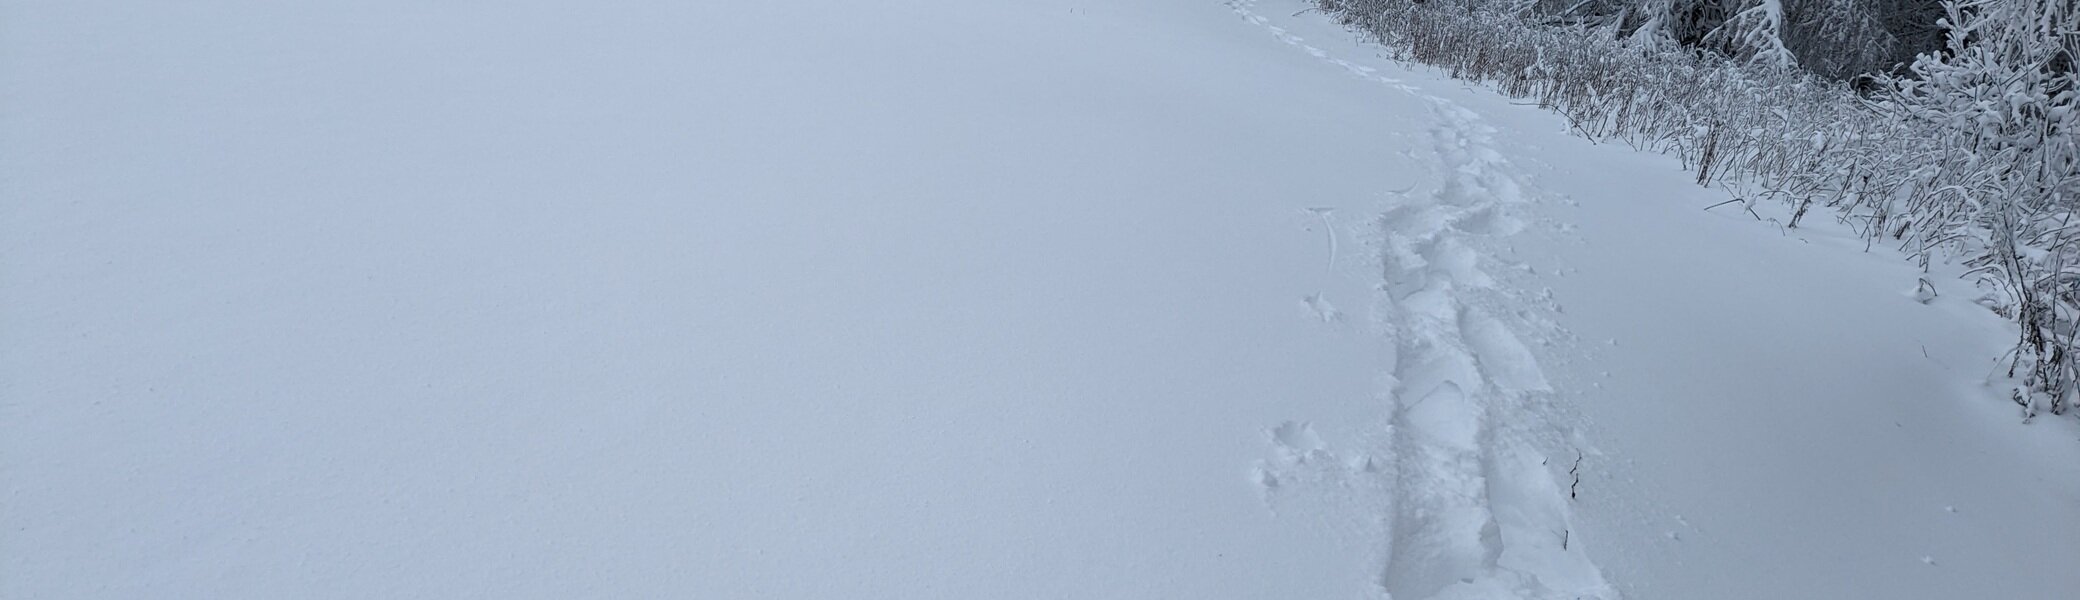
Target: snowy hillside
935 299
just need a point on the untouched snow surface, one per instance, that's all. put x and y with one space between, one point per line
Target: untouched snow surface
935 299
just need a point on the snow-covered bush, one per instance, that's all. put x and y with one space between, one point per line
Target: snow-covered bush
1968 154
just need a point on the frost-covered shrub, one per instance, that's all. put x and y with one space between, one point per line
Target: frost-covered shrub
2000 101
1969 153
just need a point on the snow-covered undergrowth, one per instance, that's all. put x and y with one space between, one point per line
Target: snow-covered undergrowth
1971 158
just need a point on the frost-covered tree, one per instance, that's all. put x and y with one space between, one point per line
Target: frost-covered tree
1833 38
1755 32
1842 38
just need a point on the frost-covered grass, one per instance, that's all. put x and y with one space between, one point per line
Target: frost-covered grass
1970 156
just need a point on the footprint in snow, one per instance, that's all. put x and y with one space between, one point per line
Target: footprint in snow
1321 308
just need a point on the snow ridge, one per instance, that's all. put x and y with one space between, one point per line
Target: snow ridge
1475 508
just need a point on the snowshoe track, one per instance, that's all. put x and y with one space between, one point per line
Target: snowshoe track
1474 503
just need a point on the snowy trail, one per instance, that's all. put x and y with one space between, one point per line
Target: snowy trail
1474 501
1475 508
929 299
1468 391
1755 419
